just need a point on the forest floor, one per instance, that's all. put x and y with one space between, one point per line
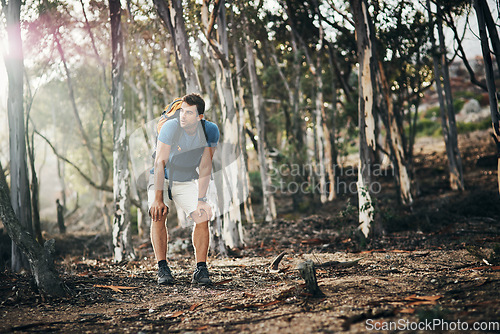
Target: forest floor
435 267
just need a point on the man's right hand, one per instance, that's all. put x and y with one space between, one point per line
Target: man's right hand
158 210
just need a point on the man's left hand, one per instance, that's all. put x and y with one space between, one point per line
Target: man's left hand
203 207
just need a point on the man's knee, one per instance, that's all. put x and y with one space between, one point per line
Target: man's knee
159 224
199 219
201 226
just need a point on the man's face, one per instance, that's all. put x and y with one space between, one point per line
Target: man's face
189 117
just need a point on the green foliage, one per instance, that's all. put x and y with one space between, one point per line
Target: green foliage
350 210
428 128
467 95
458 104
432 113
256 185
469 127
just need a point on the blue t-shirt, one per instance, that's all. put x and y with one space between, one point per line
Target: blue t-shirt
185 155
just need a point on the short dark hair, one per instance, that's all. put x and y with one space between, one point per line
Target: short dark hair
194 99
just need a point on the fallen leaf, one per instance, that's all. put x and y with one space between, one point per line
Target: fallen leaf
174 315
314 241
422 302
202 328
223 282
115 288
423 298
270 303
373 250
481 268
194 306
407 310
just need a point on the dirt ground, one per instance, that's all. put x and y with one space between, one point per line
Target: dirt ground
434 267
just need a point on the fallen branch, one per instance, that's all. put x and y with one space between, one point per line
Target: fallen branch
338 264
276 261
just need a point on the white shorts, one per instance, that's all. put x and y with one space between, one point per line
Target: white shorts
184 194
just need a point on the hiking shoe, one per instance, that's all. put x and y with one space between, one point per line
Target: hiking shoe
165 275
200 276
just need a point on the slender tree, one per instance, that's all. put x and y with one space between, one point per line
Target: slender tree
257 102
479 6
171 14
122 238
19 189
448 124
366 117
231 157
247 205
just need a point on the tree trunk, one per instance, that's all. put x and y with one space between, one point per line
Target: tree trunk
398 156
231 156
456 169
298 138
492 29
174 21
35 192
490 79
320 134
40 260
19 190
366 117
247 205
447 114
257 102
122 239
60 217
324 140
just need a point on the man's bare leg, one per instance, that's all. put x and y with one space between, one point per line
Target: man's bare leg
201 242
159 240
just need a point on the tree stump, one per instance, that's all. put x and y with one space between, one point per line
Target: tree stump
308 273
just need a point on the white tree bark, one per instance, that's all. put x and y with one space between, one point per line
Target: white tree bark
395 141
257 102
122 239
232 163
19 188
247 205
366 118
173 18
324 140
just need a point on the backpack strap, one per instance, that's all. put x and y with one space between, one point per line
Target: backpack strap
203 126
175 143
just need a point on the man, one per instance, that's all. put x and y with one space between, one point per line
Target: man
185 143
